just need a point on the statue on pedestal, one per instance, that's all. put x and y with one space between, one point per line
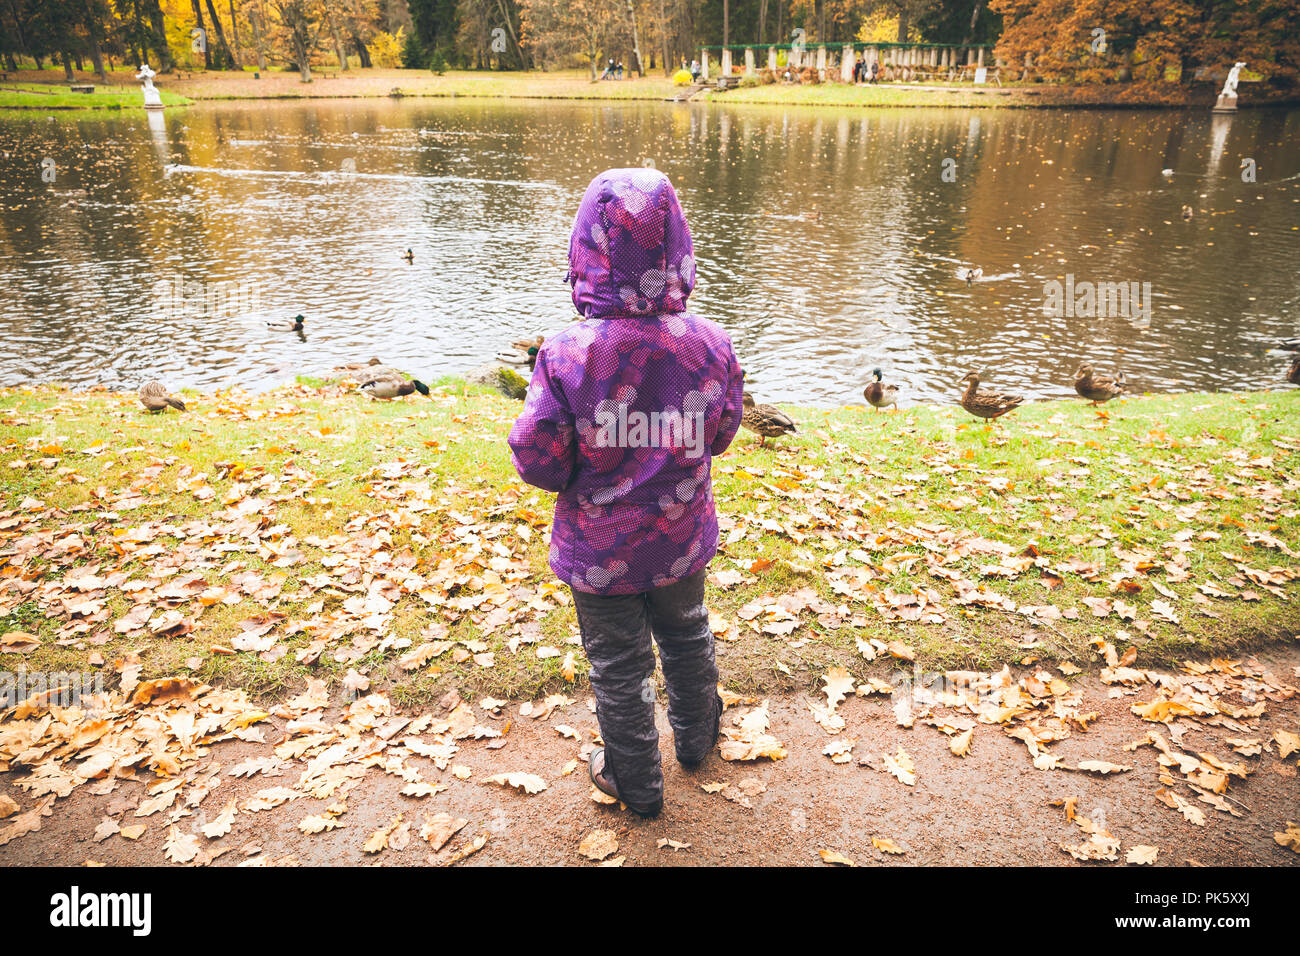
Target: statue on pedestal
1227 102
152 98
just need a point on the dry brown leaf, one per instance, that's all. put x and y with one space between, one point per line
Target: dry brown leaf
527 782
598 844
1141 854
960 744
838 859
180 847
886 845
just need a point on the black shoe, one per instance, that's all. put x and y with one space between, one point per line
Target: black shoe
691 762
596 771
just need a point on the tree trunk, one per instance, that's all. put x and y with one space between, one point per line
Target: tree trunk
234 32
229 58
256 20
67 66
520 56
362 53
636 41
157 34
96 51
97 58
762 20
340 51
726 22
18 27
198 16
904 13
663 39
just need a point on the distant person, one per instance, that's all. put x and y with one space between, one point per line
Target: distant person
609 70
875 71
618 70
635 525
695 71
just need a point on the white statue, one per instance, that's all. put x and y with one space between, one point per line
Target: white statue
152 99
1230 84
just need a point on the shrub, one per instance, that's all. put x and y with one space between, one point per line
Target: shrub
386 48
413 55
682 78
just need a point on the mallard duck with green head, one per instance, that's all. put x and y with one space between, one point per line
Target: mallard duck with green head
766 421
1096 388
878 394
292 325
385 382
523 352
983 403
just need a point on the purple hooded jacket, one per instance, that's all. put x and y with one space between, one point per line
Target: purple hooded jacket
627 408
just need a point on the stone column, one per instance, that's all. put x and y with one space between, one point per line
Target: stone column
725 70
749 61
771 58
821 63
846 64
704 65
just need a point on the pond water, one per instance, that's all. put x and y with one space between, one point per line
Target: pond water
828 241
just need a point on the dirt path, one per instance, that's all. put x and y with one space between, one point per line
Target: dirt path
991 807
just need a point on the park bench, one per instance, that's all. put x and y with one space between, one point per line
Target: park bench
329 74
728 81
81 88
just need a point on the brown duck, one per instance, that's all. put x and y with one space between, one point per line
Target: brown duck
766 421
1293 376
155 397
985 404
1097 389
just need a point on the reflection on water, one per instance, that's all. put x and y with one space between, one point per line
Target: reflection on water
828 241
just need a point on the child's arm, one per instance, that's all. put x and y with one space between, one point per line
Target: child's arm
733 407
541 441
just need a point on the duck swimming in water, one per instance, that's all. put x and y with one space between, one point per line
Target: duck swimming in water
972 275
293 325
409 256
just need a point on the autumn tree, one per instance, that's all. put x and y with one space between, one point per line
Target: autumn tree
555 29
1150 38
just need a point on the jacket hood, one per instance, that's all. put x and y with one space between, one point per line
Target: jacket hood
630 253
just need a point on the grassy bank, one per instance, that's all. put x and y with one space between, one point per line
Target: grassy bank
328 83
48 96
260 539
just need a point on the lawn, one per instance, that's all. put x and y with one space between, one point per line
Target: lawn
258 539
48 96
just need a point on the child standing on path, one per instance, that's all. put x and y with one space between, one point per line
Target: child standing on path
624 414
